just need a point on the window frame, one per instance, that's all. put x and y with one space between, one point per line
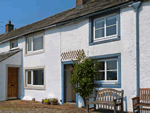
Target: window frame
32 78
32 44
108 81
16 40
106 37
31 86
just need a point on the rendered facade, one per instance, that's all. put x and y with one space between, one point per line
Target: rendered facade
108 33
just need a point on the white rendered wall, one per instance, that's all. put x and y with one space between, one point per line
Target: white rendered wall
51 60
145 45
76 36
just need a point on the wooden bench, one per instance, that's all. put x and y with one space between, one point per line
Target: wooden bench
142 100
110 97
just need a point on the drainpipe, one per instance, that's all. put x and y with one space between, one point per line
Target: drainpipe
136 5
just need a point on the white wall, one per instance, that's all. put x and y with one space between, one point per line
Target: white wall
75 36
51 60
145 45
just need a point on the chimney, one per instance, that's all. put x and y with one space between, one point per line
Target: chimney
80 2
9 27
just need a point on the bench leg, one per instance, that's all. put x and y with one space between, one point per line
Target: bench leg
94 106
115 108
139 109
122 108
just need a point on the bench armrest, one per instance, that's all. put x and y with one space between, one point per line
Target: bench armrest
117 99
135 98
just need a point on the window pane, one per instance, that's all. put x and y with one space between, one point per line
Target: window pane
37 43
29 77
99 33
29 44
14 44
111 64
102 65
111 30
111 75
38 77
110 21
99 24
101 76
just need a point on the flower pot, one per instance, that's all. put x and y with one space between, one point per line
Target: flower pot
42 101
47 103
53 102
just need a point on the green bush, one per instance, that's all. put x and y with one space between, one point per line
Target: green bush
85 70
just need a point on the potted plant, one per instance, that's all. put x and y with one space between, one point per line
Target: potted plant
47 101
54 101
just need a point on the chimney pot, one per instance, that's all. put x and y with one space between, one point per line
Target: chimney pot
9 22
9 27
80 2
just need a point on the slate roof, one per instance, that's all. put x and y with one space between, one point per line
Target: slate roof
5 55
88 8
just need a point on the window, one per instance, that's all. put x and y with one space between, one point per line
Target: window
108 71
14 44
35 77
35 43
105 28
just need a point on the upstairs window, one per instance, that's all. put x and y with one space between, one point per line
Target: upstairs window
105 28
35 43
13 44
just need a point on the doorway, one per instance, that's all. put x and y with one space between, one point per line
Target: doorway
69 94
12 91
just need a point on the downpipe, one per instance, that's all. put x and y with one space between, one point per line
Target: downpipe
136 6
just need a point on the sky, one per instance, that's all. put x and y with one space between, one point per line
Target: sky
23 12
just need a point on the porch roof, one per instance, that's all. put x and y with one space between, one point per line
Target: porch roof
5 55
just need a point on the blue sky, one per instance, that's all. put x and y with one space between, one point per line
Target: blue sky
23 12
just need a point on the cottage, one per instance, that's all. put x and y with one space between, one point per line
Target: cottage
35 59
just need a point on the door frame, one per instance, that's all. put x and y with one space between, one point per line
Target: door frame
19 82
63 76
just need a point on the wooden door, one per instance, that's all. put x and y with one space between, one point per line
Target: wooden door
12 82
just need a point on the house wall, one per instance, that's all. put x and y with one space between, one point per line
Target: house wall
75 36
51 60
144 45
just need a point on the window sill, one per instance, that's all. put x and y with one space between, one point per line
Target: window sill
35 88
14 48
109 84
35 53
104 41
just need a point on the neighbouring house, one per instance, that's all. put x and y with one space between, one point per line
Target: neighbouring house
35 59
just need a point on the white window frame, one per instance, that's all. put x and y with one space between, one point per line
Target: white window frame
16 40
32 78
108 81
33 43
106 37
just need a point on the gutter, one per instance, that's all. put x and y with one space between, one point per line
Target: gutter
136 5
62 23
